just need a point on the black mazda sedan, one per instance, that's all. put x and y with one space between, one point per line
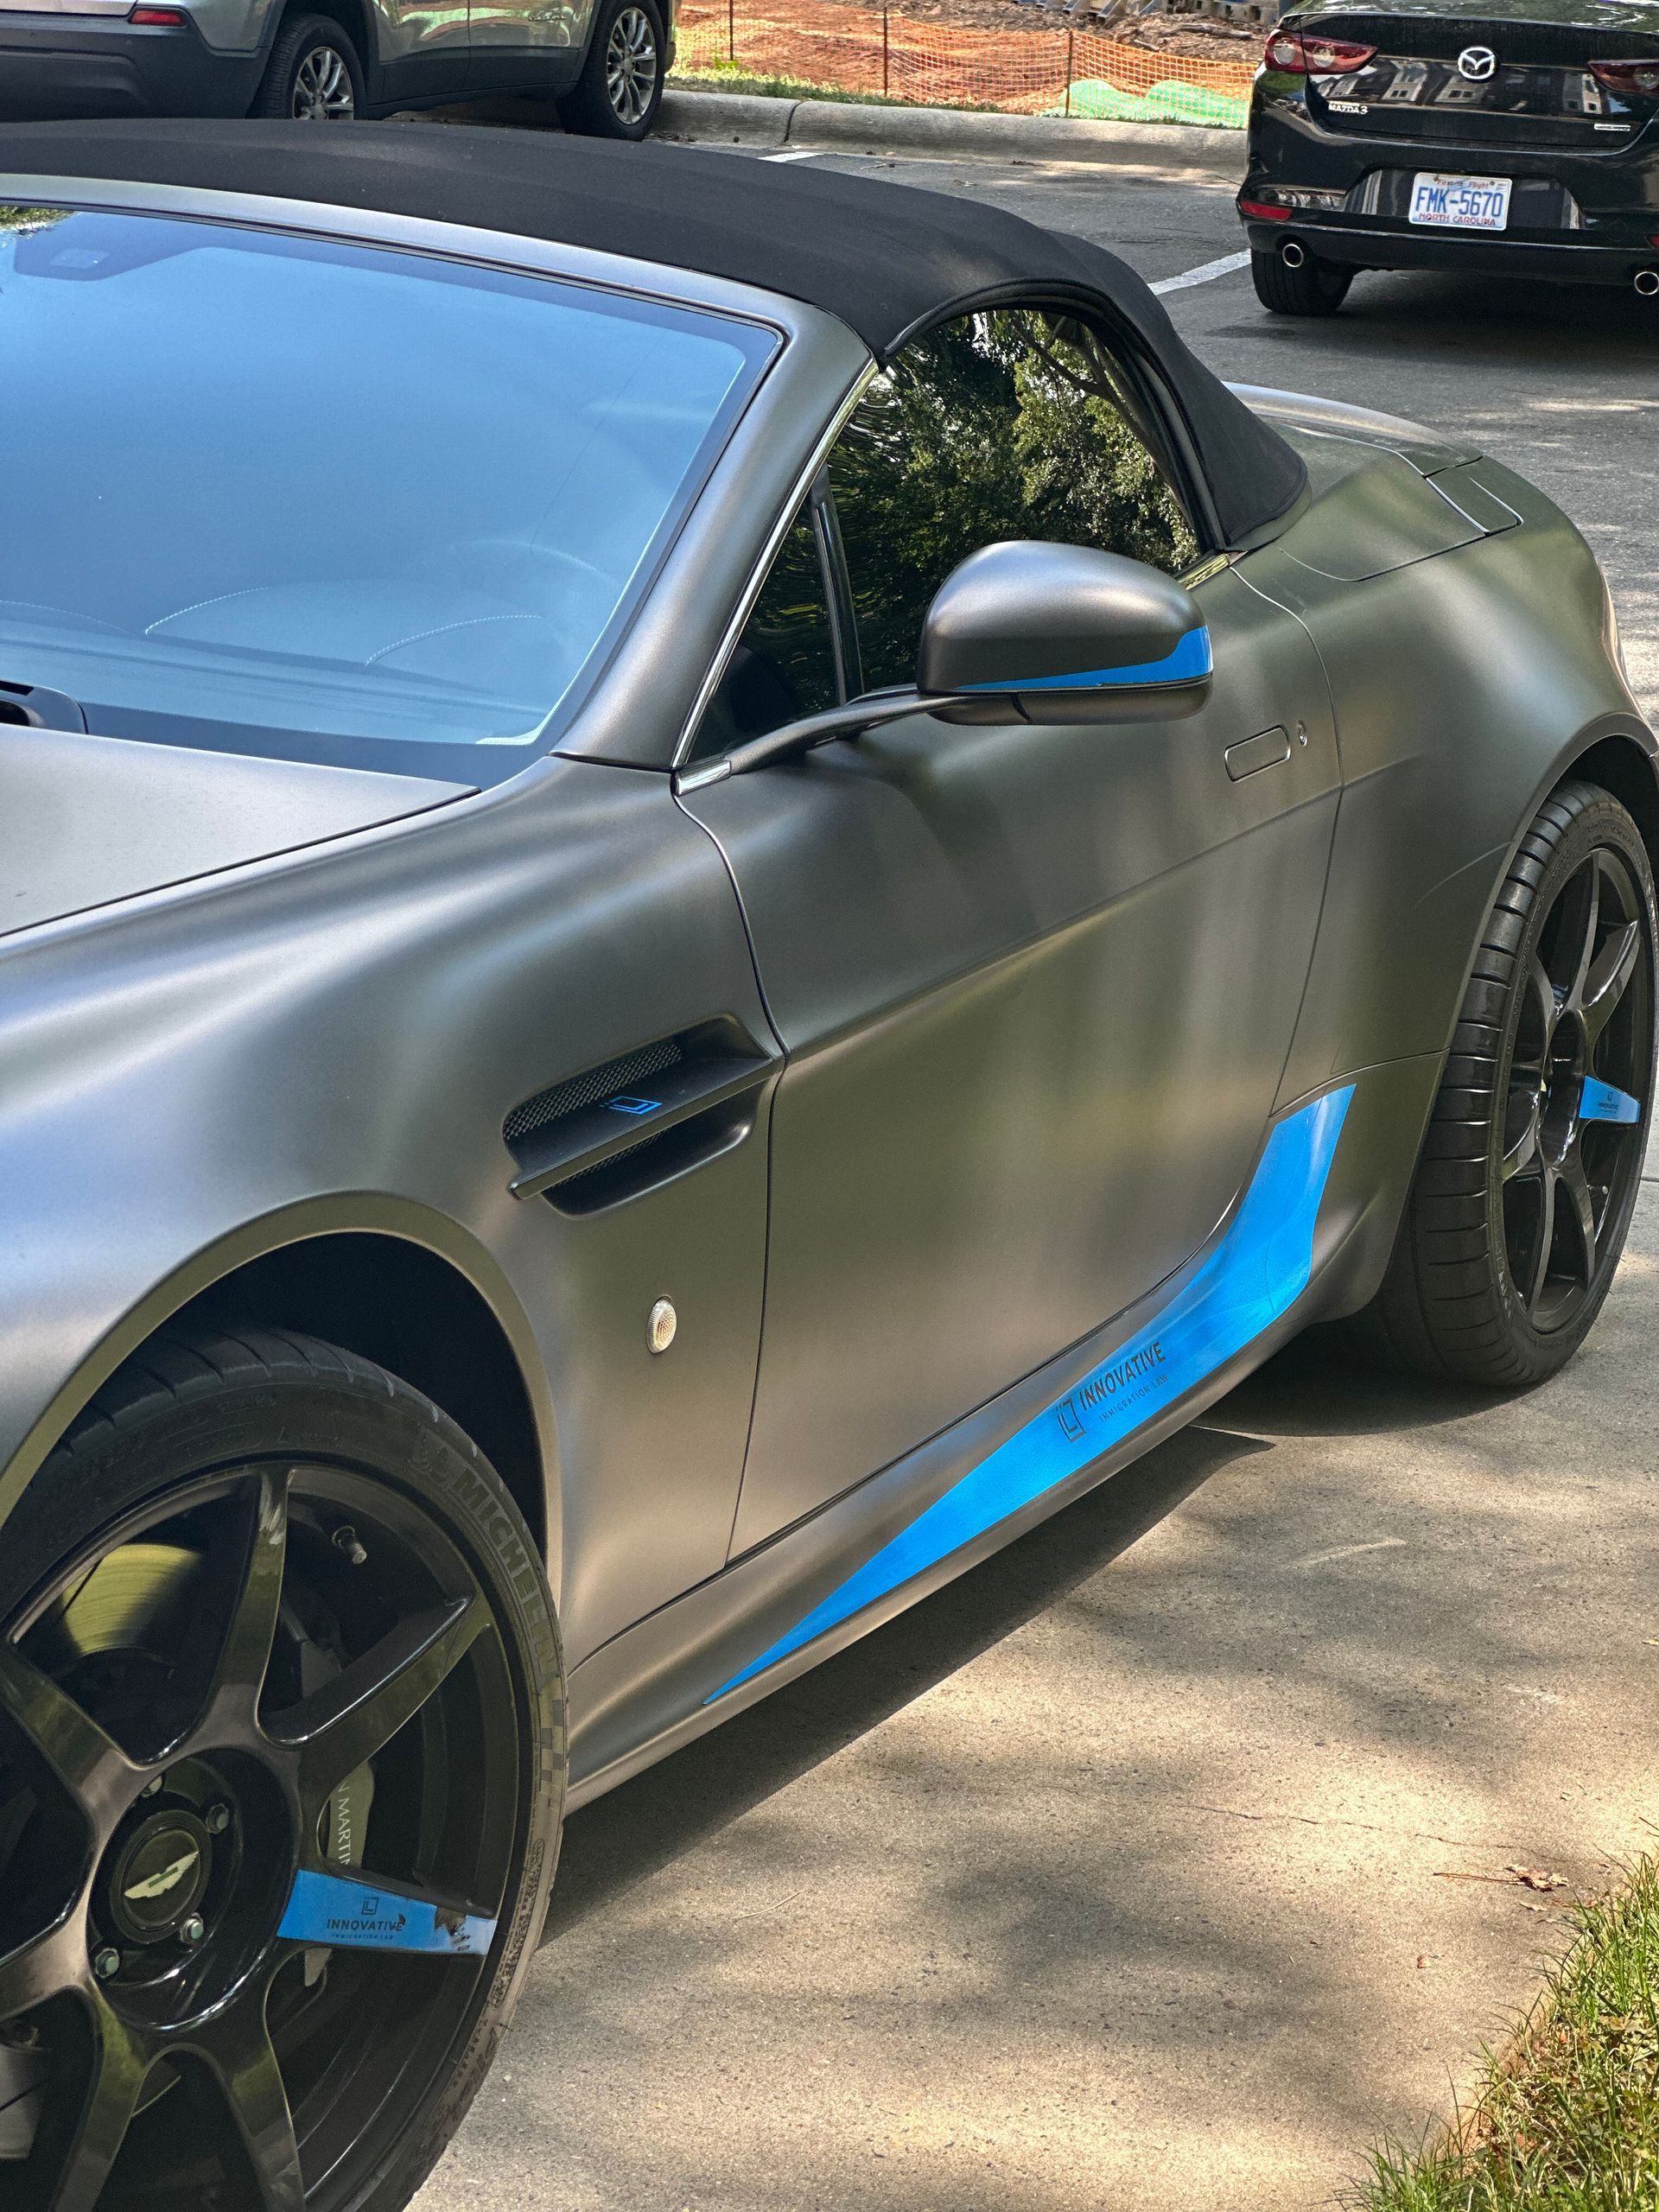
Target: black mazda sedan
1398 136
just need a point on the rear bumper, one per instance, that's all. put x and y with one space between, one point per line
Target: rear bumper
73 66
1576 218
1490 255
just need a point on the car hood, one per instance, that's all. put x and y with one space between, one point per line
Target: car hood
85 820
1592 15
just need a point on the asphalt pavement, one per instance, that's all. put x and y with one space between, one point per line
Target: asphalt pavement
1170 1857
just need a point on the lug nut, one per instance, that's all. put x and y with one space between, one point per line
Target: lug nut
218 1819
106 1962
192 1930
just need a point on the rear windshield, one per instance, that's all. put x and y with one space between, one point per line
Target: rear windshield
271 494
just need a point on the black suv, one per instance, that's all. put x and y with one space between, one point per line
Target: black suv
1452 137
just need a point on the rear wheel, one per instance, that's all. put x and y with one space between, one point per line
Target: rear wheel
1316 287
314 74
281 1755
1531 1166
620 87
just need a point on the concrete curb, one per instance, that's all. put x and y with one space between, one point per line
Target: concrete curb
845 126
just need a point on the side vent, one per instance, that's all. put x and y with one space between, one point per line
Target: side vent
640 1119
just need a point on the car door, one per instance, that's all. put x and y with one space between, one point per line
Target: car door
424 47
1037 985
524 45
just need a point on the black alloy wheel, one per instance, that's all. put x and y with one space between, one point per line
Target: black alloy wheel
1533 1160
1314 288
620 87
281 1742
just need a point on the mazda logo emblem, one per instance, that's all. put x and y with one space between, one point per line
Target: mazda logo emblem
1477 63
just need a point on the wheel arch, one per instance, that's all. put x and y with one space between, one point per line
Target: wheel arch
419 1298
355 18
1620 764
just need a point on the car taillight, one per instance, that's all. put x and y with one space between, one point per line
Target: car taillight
1636 79
1297 54
1335 57
158 18
1264 210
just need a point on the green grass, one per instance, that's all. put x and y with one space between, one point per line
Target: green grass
732 76
1566 2119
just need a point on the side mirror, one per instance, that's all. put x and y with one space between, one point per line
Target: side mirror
1024 632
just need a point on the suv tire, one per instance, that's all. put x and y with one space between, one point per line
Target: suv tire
314 74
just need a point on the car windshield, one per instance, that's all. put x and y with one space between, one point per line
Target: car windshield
272 494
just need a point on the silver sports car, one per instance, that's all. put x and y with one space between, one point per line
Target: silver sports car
713 883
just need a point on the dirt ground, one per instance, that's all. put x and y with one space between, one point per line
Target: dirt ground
1193 35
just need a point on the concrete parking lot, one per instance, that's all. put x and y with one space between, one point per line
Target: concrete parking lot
1168 1858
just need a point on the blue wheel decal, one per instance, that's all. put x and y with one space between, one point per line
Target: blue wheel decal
358 1915
1255 1274
1599 1101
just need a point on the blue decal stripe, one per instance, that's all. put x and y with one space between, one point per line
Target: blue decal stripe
356 1914
1599 1101
1190 661
1255 1274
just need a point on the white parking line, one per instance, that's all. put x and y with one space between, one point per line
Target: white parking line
801 156
1205 272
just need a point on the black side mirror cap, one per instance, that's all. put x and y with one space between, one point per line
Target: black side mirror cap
1030 632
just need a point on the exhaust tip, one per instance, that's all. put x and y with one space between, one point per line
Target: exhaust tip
1293 254
1647 282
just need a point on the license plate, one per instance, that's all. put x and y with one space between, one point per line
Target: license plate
1460 203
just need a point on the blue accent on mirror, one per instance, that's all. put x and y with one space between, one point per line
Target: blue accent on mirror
635 1106
1189 663
1599 1101
356 1914
1254 1275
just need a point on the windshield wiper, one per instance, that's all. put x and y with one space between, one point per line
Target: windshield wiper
36 708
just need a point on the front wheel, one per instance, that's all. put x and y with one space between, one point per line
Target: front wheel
314 74
281 1760
620 87
1316 287
1530 1168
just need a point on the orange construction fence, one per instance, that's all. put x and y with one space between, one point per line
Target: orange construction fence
880 53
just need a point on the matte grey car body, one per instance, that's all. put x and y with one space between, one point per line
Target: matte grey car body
267 1018
798 1154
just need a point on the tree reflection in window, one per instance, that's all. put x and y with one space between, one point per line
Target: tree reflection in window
1010 423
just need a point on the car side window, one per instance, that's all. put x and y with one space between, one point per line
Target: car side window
1015 423
784 663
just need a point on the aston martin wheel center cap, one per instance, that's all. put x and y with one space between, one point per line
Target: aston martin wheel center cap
158 1877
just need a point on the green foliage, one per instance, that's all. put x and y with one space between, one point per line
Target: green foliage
1009 424
1566 2120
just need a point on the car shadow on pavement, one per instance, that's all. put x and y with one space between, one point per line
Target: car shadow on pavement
1528 325
636 1830
647 1823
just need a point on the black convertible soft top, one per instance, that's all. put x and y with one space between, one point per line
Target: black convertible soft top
885 258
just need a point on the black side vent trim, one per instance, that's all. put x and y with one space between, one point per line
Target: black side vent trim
593 1089
640 1119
